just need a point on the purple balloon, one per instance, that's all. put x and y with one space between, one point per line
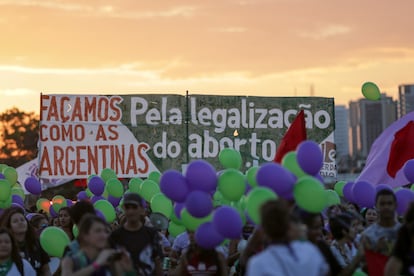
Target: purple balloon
277 178
2 176
207 236
33 185
178 207
309 157
227 222
348 192
100 214
69 202
408 170
201 175
30 215
18 200
96 185
380 187
52 212
404 198
95 198
174 185
199 204
114 200
364 194
82 195
17 205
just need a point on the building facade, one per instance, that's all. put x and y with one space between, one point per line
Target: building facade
405 99
368 119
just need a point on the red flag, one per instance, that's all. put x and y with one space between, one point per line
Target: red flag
401 149
293 137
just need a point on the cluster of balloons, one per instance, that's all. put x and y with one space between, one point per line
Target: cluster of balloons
11 193
363 193
216 205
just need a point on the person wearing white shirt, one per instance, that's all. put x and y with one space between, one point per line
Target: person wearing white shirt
283 256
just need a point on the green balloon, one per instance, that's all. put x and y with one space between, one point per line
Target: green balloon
2 167
134 185
359 272
256 197
148 189
106 209
54 240
155 176
290 162
412 188
107 174
232 184
89 193
43 204
251 176
175 219
5 189
114 187
10 174
161 204
175 229
230 159
371 91
192 223
18 191
333 198
339 188
75 231
58 202
310 195
6 203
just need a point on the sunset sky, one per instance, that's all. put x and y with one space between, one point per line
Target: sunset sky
232 47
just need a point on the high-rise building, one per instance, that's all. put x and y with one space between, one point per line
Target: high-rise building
367 120
406 99
341 137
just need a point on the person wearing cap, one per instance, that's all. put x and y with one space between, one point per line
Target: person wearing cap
142 242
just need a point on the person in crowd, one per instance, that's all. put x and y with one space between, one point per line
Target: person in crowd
334 210
370 216
314 225
180 245
39 222
145 251
11 263
55 222
379 239
13 219
343 229
285 256
65 221
77 211
401 261
95 257
199 261
352 207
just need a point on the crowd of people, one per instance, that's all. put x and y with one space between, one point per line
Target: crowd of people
343 240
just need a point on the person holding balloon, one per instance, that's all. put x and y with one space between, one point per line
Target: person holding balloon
11 263
13 219
95 257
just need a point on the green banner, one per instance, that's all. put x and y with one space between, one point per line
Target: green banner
136 134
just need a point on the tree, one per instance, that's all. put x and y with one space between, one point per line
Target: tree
19 132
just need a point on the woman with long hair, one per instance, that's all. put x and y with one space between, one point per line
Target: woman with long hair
94 256
65 221
14 220
11 263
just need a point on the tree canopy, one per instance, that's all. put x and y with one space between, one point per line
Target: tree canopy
19 133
